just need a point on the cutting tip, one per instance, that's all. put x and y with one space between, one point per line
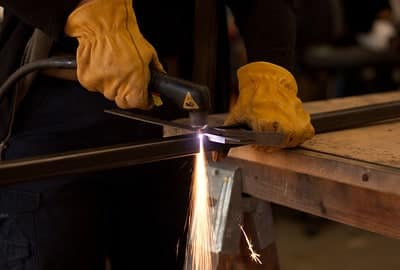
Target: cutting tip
198 119
199 128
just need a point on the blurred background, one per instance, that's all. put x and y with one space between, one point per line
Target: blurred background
344 47
306 242
347 48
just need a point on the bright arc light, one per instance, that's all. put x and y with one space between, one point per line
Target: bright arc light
198 249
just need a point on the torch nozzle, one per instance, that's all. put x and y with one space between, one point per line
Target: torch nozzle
198 119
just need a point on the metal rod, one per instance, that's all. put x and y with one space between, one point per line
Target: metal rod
355 117
12 172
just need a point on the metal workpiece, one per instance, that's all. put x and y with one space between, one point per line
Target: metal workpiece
355 117
229 207
238 135
219 139
87 160
229 135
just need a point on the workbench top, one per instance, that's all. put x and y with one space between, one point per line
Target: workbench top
351 176
379 143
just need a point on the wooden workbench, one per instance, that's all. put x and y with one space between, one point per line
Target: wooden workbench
350 176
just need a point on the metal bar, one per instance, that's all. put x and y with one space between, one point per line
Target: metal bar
87 160
12 172
355 117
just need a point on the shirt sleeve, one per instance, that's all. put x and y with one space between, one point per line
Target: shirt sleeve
48 15
268 29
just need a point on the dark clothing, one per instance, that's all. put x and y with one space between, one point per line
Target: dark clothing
21 17
73 222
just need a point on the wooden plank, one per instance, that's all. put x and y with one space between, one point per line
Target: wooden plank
347 171
366 209
378 144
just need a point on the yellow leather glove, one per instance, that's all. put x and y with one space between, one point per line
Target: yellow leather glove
268 101
113 57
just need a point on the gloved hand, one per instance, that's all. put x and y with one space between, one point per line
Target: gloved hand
113 57
268 101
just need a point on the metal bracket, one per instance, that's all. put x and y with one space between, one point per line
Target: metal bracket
225 192
229 207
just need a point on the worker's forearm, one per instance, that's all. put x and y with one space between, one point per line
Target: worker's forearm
268 30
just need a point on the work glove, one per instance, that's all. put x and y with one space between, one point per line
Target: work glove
113 57
268 102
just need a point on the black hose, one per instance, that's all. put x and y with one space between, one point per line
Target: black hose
53 62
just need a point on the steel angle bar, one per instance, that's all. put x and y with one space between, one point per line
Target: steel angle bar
96 159
355 117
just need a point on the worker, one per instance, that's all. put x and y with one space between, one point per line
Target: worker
133 215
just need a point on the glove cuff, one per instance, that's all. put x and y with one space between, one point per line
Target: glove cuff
265 72
100 17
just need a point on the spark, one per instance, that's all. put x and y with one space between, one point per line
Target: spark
198 249
253 255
